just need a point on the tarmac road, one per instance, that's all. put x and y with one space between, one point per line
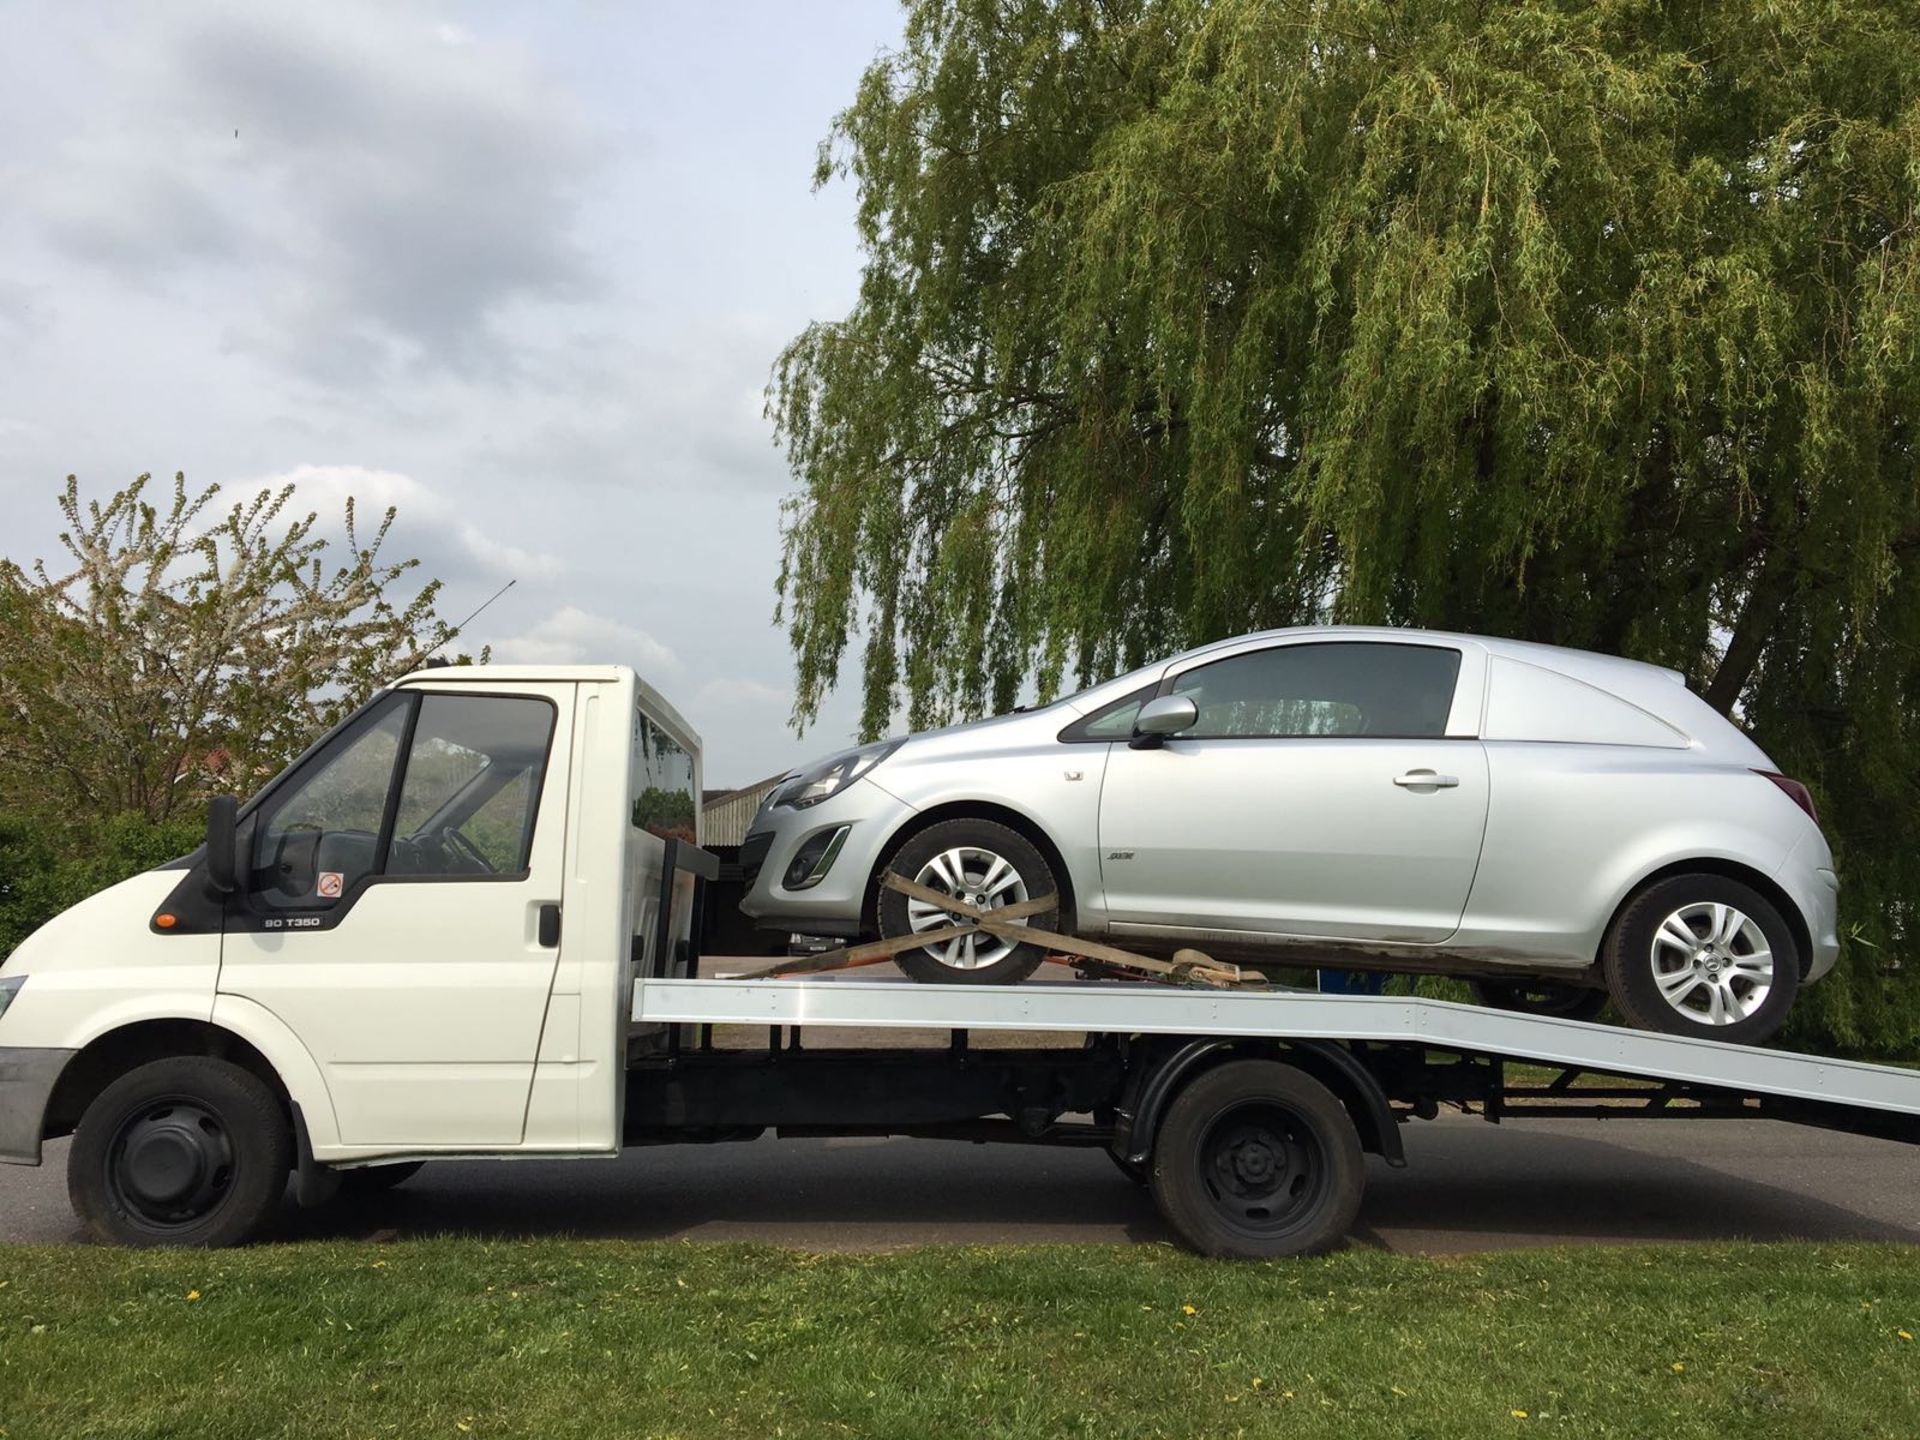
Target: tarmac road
1468 1186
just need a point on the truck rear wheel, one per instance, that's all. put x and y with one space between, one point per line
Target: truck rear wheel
1255 1160
378 1179
183 1151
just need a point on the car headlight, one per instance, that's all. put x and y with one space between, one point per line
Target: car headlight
832 775
9 988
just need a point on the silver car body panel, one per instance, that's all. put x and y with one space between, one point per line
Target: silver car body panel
1575 777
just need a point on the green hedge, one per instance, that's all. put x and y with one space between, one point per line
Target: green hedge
45 867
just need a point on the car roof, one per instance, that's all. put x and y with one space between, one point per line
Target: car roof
1554 657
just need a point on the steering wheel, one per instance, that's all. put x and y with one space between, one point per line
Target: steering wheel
455 843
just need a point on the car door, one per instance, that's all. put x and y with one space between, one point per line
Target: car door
1327 788
392 909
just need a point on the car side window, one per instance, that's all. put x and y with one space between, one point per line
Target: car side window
1327 688
321 837
472 786
1112 721
460 802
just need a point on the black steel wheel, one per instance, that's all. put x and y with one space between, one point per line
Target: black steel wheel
1256 1159
183 1151
1540 997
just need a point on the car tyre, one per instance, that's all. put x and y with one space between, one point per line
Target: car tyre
1256 1160
1658 983
185 1151
927 857
1540 997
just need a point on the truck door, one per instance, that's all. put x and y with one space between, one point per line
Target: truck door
392 910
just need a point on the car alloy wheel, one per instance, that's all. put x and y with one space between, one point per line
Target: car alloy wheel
974 876
1712 963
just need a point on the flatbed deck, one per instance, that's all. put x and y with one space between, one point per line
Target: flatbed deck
1103 1007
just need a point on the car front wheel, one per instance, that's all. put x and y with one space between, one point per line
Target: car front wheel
983 864
1703 955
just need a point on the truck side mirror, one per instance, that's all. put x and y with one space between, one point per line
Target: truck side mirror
223 854
1162 716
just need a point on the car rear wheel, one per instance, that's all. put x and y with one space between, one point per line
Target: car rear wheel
986 865
1540 997
1703 955
183 1151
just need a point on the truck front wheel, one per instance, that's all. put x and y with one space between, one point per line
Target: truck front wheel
1256 1159
183 1151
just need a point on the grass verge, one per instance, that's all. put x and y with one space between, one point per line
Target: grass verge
554 1338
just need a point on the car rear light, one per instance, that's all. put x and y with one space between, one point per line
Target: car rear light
1795 792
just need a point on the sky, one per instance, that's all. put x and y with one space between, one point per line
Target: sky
519 270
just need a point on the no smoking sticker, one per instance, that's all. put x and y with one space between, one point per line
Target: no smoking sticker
330 884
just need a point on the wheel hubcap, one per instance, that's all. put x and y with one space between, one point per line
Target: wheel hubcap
1711 963
976 877
171 1164
1262 1168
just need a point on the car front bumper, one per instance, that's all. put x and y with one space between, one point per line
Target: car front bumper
832 904
27 1077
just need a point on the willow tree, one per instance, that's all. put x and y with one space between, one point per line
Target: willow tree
1591 323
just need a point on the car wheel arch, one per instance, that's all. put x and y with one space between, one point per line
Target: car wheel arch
1735 870
1017 821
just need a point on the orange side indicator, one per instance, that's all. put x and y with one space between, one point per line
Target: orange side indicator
165 921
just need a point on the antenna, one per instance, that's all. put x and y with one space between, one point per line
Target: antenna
460 629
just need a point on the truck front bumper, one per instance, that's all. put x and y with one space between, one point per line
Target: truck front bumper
28 1074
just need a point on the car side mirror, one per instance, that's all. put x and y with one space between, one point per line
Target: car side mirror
223 851
1162 716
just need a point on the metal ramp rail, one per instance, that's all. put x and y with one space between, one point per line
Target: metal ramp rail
1889 1093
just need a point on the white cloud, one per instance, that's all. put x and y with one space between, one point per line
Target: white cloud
387 189
518 270
425 515
572 636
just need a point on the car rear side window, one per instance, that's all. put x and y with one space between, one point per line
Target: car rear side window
1332 688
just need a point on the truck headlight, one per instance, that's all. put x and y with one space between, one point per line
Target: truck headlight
833 774
9 988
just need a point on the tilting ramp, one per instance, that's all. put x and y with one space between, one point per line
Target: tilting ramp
1281 1014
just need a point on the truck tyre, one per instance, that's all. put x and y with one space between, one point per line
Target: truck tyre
986 864
1256 1159
183 1151
1540 997
1702 955
378 1179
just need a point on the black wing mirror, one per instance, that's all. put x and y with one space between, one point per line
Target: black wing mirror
223 851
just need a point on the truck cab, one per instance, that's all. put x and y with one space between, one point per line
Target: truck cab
421 942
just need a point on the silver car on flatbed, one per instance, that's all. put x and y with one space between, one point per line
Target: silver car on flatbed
1561 827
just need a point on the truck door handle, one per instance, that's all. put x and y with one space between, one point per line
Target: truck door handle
1426 780
549 925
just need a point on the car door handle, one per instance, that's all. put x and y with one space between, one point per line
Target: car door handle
1426 780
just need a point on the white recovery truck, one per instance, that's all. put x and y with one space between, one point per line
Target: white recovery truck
464 924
